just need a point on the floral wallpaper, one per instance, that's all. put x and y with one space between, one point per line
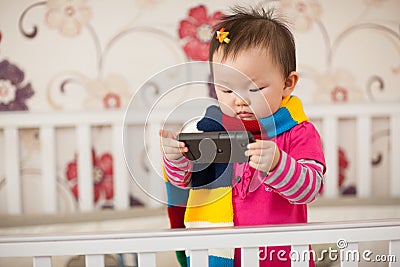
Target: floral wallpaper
67 17
197 30
337 80
13 93
102 176
83 76
93 55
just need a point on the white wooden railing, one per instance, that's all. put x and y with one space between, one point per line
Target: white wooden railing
363 114
347 235
12 122
47 123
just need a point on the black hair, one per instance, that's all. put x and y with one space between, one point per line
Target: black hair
256 28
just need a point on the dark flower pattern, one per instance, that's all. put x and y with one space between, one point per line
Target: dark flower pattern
102 176
13 93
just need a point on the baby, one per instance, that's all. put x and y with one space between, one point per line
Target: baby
286 162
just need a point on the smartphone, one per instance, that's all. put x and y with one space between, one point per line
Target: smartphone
217 147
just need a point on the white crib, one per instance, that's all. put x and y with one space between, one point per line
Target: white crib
365 205
94 246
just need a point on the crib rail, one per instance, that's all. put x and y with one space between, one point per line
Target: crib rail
363 114
330 115
347 235
47 123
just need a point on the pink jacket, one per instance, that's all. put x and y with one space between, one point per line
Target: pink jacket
278 197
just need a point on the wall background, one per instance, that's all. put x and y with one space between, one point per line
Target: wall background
94 55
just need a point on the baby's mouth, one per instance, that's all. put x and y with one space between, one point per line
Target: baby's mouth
245 115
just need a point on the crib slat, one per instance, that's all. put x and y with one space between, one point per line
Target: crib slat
42 261
350 256
395 155
394 250
147 259
364 177
330 143
85 169
12 171
121 189
199 258
303 254
249 257
155 181
94 260
49 182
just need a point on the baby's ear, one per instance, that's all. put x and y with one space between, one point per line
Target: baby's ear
290 83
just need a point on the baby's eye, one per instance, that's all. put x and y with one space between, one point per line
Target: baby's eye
223 89
256 89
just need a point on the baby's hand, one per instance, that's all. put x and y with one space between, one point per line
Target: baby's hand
171 148
264 155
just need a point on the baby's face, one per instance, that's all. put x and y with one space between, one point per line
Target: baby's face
249 86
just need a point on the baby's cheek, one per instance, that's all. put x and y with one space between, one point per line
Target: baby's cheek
227 110
262 110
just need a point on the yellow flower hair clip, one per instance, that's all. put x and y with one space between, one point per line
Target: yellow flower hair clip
222 36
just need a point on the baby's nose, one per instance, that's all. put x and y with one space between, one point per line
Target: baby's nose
241 100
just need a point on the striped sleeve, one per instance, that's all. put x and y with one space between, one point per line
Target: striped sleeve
298 181
178 171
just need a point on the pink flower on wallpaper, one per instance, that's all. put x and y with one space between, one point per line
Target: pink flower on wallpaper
343 164
102 176
109 93
13 93
339 94
302 13
68 16
337 86
197 29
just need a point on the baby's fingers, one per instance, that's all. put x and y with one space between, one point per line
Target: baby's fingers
168 138
260 163
166 134
174 149
260 144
